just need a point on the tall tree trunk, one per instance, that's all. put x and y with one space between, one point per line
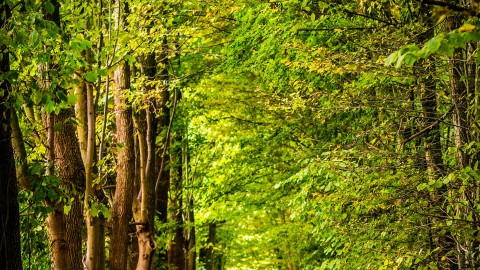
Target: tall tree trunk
121 211
67 159
122 205
10 255
175 250
146 227
68 162
190 239
436 168
207 255
162 181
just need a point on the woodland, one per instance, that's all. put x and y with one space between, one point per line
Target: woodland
248 134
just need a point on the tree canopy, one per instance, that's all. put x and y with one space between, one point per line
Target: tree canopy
167 134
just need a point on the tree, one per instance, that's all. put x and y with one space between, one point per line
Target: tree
10 255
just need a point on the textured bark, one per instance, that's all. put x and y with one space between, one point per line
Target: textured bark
58 243
122 205
163 176
95 256
10 256
68 162
19 151
162 184
56 223
435 165
175 250
81 115
147 135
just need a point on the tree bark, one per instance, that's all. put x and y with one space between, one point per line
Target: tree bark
175 250
68 162
10 255
145 231
122 205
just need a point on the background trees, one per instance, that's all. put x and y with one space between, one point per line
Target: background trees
243 134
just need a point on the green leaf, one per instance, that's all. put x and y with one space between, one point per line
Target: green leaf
57 126
61 95
392 57
94 210
66 208
91 76
49 105
52 195
71 99
49 7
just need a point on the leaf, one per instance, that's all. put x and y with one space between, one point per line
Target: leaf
49 7
466 28
431 46
57 126
61 95
52 194
71 99
392 57
49 105
91 76
94 210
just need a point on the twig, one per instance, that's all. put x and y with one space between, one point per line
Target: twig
428 128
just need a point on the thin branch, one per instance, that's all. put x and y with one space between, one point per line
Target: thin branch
368 17
335 28
428 128
450 6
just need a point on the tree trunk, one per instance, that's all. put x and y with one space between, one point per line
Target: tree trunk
121 210
162 181
10 255
207 255
68 162
191 240
146 229
175 250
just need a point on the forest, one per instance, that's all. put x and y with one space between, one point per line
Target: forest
248 134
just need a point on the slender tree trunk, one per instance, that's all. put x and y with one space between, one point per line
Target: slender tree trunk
208 254
162 181
10 255
146 227
19 151
191 240
95 256
175 250
162 159
122 205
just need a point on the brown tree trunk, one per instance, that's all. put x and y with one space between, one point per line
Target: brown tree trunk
175 250
190 239
10 256
162 181
162 159
68 162
146 229
121 210
207 255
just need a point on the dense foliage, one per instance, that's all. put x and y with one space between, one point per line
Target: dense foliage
245 134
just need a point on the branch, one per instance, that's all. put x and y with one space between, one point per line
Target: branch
452 7
427 129
368 17
333 29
